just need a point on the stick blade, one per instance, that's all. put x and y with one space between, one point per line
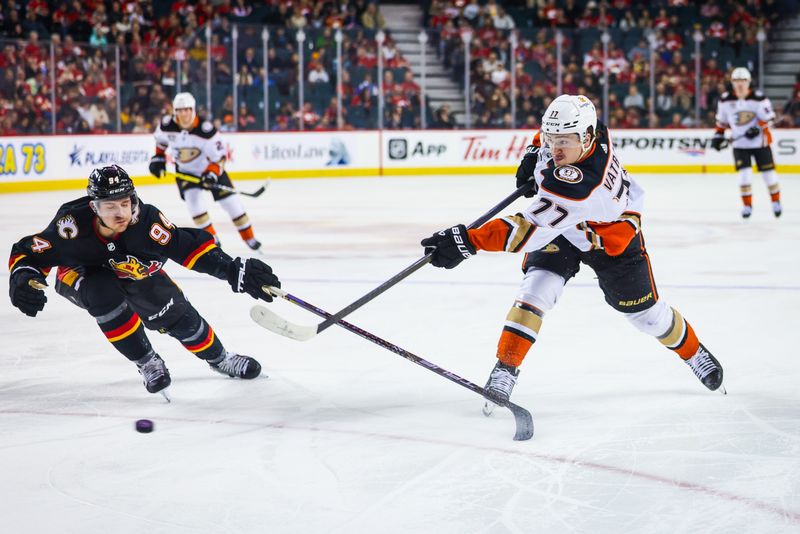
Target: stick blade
277 324
524 422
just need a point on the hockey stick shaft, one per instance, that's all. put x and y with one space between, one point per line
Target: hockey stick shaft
522 417
417 265
220 187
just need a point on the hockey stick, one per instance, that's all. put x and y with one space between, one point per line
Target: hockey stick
304 333
524 421
220 187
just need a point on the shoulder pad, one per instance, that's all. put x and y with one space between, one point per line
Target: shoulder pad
205 130
168 125
727 96
758 95
575 182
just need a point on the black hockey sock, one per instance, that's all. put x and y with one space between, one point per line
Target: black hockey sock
197 336
124 329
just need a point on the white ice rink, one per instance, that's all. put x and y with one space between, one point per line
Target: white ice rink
346 437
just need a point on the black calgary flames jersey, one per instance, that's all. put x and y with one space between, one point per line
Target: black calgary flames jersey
72 240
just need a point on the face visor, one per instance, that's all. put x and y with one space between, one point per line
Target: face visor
562 141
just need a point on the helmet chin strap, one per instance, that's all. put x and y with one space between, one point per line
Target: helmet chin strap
585 151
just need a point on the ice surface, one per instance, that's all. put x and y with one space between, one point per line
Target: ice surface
346 437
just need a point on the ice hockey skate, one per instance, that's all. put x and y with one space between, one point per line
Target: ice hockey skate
499 386
253 243
777 209
236 366
155 375
707 369
747 211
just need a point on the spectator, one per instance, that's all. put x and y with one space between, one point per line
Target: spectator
372 19
503 21
442 118
318 75
634 99
246 120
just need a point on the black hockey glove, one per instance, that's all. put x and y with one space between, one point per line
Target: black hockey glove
525 169
449 247
248 276
718 141
752 132
158 165
209 179
23 295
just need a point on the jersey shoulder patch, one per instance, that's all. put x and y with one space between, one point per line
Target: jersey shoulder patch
168 125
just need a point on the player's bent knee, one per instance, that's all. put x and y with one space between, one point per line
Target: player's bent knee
541 288
654 321
188 326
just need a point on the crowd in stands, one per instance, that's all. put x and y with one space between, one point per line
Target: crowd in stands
63 62
729 30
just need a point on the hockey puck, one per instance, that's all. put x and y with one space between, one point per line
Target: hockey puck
145 426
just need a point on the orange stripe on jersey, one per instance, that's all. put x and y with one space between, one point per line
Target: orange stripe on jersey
14 260
616 235
67 275
203 345
125 330
537 139
507 234
192 258
215 168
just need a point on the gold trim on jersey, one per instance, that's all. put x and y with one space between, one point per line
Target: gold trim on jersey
519 233
674 336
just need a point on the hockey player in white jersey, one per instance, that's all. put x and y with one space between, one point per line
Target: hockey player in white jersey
586 209
197 149
748 113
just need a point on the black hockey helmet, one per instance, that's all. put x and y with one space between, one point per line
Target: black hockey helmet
111 183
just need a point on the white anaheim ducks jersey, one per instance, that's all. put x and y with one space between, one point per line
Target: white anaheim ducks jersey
740 115
594 204
193 149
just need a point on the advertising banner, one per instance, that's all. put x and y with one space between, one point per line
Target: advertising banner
64 162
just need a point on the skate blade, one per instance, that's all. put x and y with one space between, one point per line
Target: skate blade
165 393
488 408
722 389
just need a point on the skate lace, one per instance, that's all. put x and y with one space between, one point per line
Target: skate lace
152 370
233 363
501 380
701 364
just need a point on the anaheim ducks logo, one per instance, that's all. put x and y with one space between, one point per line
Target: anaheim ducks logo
569 174
551 248
744 117
67 227
134 269
187 154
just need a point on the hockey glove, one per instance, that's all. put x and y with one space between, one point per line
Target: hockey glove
718 141
752 132
209 179
449 247
248 276
23 295
526 168
158 166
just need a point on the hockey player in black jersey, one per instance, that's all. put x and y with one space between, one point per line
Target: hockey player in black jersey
110 249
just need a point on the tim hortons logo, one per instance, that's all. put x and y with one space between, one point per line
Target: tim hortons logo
133 269
479 148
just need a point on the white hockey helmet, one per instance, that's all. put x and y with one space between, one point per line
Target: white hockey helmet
182 101
741 73
570 114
